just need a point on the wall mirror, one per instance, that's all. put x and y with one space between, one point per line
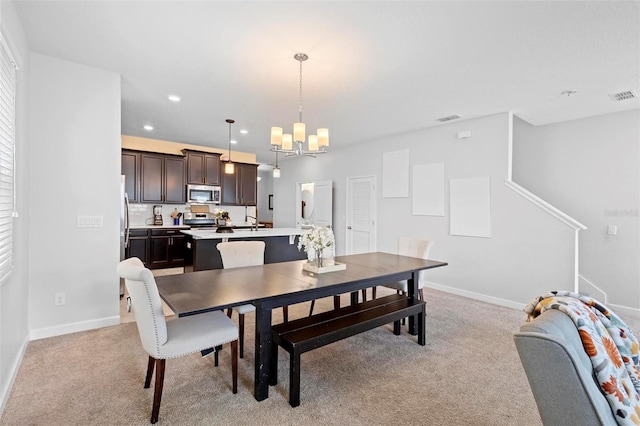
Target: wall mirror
306 202
314 203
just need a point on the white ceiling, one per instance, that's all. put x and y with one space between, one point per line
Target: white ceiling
375 69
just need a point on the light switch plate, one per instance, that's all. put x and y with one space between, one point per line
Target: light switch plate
612 230
90 221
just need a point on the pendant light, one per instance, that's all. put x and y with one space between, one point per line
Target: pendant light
229 168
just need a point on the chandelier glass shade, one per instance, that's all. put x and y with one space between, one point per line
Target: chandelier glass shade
293 143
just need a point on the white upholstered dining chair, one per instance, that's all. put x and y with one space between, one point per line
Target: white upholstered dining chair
163 339
236 254
413 247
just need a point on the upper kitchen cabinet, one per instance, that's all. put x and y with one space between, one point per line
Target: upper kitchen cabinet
130 168
203 168
162 178
240 188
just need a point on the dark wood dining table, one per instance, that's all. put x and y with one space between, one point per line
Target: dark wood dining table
278 284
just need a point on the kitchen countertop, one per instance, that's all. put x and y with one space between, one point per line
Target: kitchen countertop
238 227
159 227
210 234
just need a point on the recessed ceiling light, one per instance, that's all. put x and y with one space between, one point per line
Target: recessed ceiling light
233 142
244 132
148 127
174 98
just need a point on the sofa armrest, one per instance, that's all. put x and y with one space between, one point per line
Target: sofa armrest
565 391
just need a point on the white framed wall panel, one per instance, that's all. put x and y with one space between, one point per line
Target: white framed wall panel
470 207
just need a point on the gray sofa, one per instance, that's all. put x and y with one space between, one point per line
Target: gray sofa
560 372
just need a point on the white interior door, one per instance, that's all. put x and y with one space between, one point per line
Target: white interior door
361 215
323 200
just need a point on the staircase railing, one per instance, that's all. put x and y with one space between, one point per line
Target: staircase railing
553 211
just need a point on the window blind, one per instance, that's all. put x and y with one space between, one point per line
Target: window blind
7 158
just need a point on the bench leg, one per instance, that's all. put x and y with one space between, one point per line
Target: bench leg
294 378
273 371
396 328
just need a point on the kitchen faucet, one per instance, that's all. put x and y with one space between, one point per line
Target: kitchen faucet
246 216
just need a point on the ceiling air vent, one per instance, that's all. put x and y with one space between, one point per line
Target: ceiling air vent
449 118
623 96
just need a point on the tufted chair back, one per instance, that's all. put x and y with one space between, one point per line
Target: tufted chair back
415 247
147 304
236 254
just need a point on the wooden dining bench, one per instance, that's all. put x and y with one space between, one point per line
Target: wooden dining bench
305 334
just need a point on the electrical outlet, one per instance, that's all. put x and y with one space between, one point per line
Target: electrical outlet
61 299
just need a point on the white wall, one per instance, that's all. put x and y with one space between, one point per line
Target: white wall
529 252
14 332
590 168
75 170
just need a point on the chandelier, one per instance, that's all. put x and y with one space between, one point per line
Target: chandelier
285 142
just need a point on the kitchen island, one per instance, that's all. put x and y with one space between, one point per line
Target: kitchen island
281 245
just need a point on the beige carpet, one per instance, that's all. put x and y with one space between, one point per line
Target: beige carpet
469 373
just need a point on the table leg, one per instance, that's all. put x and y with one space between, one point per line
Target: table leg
262 352
336 301
412 286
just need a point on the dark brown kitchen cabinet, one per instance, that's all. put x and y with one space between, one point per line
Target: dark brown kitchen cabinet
130 168
138 245
166 248
240 188
162 178
203 168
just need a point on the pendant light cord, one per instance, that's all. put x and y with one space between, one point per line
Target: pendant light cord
230 121
300 105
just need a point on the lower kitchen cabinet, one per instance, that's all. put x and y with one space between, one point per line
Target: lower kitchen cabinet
138 245
166 248
157 248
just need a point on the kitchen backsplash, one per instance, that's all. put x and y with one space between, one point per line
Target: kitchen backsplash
142 214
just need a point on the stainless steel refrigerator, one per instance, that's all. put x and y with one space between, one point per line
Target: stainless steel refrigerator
124 227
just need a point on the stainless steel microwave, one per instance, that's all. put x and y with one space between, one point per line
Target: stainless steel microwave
203 194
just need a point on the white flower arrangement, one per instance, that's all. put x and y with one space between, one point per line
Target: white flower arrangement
317 240
221 214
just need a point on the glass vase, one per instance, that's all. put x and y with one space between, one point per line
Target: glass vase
319 258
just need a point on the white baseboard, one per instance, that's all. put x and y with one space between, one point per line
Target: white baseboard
618 309
623 310
477 296
8 384
75 327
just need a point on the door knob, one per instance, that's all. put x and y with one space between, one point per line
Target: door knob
348 227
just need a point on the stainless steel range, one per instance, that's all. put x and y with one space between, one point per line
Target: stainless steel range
199 220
